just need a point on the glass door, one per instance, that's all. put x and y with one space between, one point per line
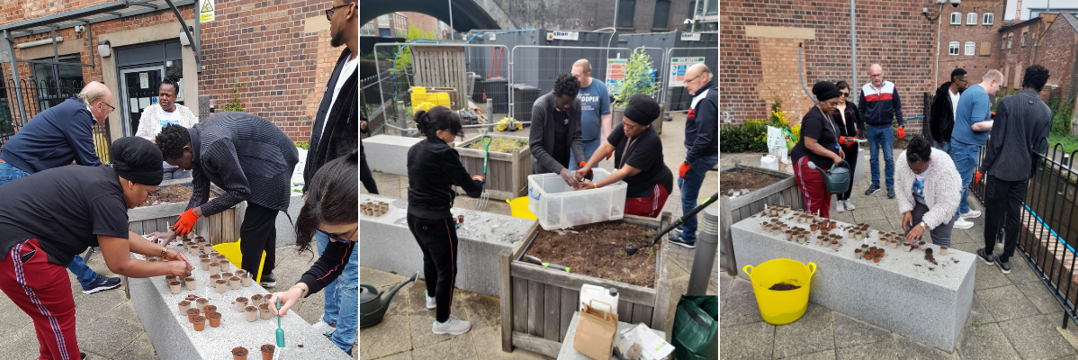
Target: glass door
138 91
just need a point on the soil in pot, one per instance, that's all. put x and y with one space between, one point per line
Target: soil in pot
209 309
226 275
234 283
221 286
174 287
267 352
857 253
907 247
502 145
184 305
784 287
599 250
251 313
747 178
214 278
205 263
200 323
191 313
190 282
239 353
215 319
202 302
241 302
245 280
264 311
256 299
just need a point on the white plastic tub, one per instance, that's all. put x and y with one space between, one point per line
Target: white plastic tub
557 206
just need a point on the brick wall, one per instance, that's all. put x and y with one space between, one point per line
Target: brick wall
985 37
1014 59
894 34
1056 53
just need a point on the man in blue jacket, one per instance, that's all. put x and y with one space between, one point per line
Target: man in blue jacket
702 143
880 106
55 138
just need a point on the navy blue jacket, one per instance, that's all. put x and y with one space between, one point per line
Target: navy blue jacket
880 107
54 138
702 124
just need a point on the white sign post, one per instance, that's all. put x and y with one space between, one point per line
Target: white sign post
206 10
679 66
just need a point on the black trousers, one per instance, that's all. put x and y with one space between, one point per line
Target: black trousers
851 158
365 175
258 232
1003 202
438 240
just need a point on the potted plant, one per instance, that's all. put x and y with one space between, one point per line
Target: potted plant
639 79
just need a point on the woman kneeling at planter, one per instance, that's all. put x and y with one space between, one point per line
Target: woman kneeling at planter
819 145
933 195
48 218
331 206
638 158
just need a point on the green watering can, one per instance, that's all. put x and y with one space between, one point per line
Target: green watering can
837 179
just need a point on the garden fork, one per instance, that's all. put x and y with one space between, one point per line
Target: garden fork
481 205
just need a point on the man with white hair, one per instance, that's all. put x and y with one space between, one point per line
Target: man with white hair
880 107
701 145
972 123
54 138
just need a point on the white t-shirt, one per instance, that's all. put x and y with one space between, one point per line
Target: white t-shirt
349 68
168 118
954 102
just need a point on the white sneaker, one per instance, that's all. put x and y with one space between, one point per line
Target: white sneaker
431 304
962 224
849 205
322 327
452 326
838 206
972 214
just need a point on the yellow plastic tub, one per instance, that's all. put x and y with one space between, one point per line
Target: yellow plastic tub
232 252
520 208
780 307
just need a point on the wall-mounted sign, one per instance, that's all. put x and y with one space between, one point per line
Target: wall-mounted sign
678 67
690 36
206 11
566 35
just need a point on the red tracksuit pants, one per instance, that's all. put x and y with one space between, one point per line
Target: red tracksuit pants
43 291
810 182
648 206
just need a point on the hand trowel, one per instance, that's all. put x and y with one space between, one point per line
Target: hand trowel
280 333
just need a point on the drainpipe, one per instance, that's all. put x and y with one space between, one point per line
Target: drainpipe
706 250
939 36
853 43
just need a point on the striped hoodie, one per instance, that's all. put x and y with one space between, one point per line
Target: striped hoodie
879 107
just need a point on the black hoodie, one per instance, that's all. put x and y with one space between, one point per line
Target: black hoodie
941 121
433 168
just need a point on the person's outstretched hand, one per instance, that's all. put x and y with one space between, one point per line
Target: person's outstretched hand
175 255
186 222
568 177
179 268
907 221
289 298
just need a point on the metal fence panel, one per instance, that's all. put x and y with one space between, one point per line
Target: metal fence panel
539 66
38 97
676 97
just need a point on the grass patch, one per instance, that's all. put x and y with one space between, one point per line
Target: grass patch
1070 142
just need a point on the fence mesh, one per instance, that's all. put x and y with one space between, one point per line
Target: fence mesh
677 63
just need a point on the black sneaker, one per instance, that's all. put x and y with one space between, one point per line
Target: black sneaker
1004 266
987 258
890 193
268 281
101 284
872 189
676 239
82 355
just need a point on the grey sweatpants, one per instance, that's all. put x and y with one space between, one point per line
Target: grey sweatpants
941 235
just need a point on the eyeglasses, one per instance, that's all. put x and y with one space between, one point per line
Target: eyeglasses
111 108
329 13
342 237
844 93
693 79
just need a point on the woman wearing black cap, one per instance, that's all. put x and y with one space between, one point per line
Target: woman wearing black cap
818 144
638 158
433 168
49 217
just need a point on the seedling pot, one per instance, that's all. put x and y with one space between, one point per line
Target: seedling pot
245 280
264 311
189 282
857 253
184 305
250 313
239 353
221 286
267 352
191 313
943 250
174 287
234 283
199 322
241 302
215 319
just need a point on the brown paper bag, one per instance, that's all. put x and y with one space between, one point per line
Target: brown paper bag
595 331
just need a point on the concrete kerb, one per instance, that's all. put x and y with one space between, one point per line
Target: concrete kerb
389 246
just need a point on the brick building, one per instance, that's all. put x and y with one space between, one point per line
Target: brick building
273 56
969 37
1050 40
760 42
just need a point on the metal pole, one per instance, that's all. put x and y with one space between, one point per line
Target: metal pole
198 33
853 44
695 10
451 16
939 23
706 249
402 118
15 75
190 38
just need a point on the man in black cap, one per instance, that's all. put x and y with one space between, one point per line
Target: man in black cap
638 158
252 160
555 130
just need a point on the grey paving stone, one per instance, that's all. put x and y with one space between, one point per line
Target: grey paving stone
747 341
483 311
724 285
909 349
90 307
863 214
1040 296
852 332
978 313
420 329
390 336
812 333
488 345
379 279
1021 272
21 341
124 312
1006 303
456 348
989 277
108 336
401 302
880 224
823 355
985 342
407 355
140 349
1036 338
880 350
740 307
11 316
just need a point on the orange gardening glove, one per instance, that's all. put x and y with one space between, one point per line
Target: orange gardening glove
901 133
478 177
683 169
581 165
977 178
186 222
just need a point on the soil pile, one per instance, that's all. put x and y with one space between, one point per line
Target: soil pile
599 250
784 287
746 179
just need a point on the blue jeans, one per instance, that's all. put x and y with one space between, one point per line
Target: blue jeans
77 266
589 149
882 137
342 299
690 190
965 161
945 148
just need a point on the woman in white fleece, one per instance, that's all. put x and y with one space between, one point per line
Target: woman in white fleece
928 191
165 112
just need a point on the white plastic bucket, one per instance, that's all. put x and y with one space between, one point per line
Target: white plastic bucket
769 162
599 294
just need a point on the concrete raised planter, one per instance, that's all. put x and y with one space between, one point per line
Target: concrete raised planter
538 303
389 153
783 192
508 173
173 337
903 293
389 246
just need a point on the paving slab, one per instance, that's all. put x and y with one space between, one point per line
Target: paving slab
978 313
1040 296
1007 303
986 342
879 350
912 350
455 348
740 307
407 355
388 337
488 345
812 333
989 277
140 349
747 341
1035 337
823 355
851 332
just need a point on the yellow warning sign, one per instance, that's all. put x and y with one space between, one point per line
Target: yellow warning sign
206 11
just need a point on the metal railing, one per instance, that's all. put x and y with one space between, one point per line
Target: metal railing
40 96
1046 238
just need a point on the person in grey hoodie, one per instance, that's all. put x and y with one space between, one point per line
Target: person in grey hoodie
555 130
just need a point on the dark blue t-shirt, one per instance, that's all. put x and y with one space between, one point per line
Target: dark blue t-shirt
594 103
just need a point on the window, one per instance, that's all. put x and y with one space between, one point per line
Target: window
989 19
971 19
56 83
662 14
956 18
1002 44
1024 39
971 48
953 49
1010 38
626 9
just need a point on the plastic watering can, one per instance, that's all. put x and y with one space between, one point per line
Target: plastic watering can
837 179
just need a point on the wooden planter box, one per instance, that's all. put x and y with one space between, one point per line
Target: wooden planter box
507 176
537 303
784 192
218 228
